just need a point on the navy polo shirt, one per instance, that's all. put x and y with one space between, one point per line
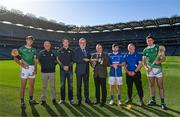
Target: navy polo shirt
47 61
66 56
132 60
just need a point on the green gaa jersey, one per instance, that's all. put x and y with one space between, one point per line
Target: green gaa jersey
27 54
151 53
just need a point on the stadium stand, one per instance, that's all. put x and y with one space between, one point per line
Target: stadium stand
17 17
15 26
177 52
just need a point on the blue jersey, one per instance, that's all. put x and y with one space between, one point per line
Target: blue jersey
116 59
132 60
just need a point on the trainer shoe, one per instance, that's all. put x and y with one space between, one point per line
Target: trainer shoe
43 102
151 102
71 102
88 101
23 105
119 102
61 101
163 106
54 101
102 104
111 102
142 103
129 101
79 102
96 101
33 101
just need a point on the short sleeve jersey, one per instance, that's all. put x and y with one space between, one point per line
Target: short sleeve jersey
27 54
151 53
116 59
132 60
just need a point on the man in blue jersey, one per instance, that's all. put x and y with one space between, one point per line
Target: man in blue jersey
133 64
115 75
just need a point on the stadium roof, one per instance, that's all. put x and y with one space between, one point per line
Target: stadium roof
175 20
16 17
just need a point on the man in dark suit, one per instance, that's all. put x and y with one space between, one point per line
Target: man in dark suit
100 62
82 70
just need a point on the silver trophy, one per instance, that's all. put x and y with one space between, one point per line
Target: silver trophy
161 54
93 62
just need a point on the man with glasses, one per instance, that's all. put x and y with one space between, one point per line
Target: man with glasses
82 70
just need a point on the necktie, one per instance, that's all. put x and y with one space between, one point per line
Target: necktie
84 52
99 58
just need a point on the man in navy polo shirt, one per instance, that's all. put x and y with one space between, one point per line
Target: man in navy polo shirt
133 64
47 59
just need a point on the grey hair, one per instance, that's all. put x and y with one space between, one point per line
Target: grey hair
82 39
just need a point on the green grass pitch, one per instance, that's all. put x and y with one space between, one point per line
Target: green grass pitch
10 101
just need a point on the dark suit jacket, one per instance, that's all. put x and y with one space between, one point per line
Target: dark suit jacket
82 67
100 70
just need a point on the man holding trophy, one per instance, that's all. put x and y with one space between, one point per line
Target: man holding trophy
25 56
100 61
153 56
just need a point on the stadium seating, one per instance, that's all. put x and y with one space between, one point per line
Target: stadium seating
13 35
177 52
5 54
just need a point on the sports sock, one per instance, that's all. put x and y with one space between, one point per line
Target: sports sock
31 97
22 99
112 97
119 97
162 100
153 98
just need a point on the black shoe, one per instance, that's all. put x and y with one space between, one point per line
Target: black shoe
142 103
43 102
129 101
163 106
33 102
102 104
71 102
54 101
96 102
87 101
151 102
23 105
79 103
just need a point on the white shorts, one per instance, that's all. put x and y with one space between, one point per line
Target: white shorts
28 73
115 81
155 72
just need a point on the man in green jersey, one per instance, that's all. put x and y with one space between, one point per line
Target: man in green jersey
154 70
28 55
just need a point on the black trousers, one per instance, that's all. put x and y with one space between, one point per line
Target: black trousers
100 82
138 83
85 79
